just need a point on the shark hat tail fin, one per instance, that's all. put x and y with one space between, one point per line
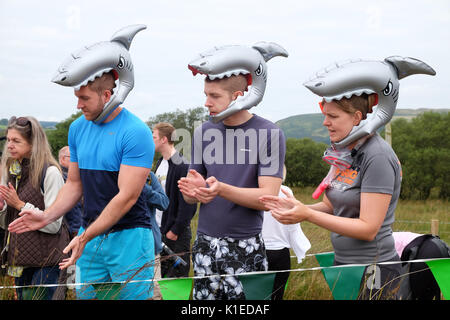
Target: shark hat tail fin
126 34
270 49
407 66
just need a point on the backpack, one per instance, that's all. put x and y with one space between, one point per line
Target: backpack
418 282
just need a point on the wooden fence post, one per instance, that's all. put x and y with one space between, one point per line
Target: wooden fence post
388 133
434 227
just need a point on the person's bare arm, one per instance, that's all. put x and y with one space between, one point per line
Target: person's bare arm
324 206
66 199
373 209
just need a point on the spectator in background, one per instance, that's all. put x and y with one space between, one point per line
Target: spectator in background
73 216
278 238
156 199
175 221
31 179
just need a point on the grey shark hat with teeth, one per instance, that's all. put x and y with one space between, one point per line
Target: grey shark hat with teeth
225 61
91 62
355 77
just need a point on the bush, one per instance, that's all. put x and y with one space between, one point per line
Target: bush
304 162
423 148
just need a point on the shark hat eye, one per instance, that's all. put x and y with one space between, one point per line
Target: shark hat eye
259 71
387 91
121 63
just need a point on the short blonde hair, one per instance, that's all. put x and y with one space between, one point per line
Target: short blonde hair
165 129
105 82
233 83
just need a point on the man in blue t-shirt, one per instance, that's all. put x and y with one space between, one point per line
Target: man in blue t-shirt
109 164
233 163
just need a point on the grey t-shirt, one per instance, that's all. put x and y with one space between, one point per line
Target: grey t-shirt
377 170
236 155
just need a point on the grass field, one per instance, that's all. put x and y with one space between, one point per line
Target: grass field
413 216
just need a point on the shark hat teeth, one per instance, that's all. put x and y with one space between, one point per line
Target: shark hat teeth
349 94
227 74
92 78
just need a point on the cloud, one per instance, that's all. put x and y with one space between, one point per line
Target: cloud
314 33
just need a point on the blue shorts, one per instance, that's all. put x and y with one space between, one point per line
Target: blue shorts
126 255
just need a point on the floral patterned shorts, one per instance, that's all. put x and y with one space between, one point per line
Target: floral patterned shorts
225 256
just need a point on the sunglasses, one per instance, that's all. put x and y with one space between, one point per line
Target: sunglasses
21 121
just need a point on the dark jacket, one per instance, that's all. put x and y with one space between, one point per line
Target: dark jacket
155 198
179 213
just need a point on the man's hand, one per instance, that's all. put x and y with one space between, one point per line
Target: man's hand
76 246
206 195
190 183
29 220
171 236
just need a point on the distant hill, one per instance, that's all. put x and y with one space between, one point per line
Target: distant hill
48 124
310 125
44 124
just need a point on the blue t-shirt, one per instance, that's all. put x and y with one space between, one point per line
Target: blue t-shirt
99 151
236 155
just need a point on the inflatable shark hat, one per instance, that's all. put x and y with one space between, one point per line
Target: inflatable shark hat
226 61
355 77
93 61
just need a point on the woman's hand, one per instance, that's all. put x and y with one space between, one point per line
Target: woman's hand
286 210
10 195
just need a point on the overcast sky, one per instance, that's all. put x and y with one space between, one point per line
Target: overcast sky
36 36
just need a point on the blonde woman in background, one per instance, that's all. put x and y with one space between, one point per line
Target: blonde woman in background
31 179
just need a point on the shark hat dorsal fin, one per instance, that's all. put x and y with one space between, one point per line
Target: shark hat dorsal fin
270 49
407 66
126 34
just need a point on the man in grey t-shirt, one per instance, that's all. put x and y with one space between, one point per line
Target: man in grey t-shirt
233 163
